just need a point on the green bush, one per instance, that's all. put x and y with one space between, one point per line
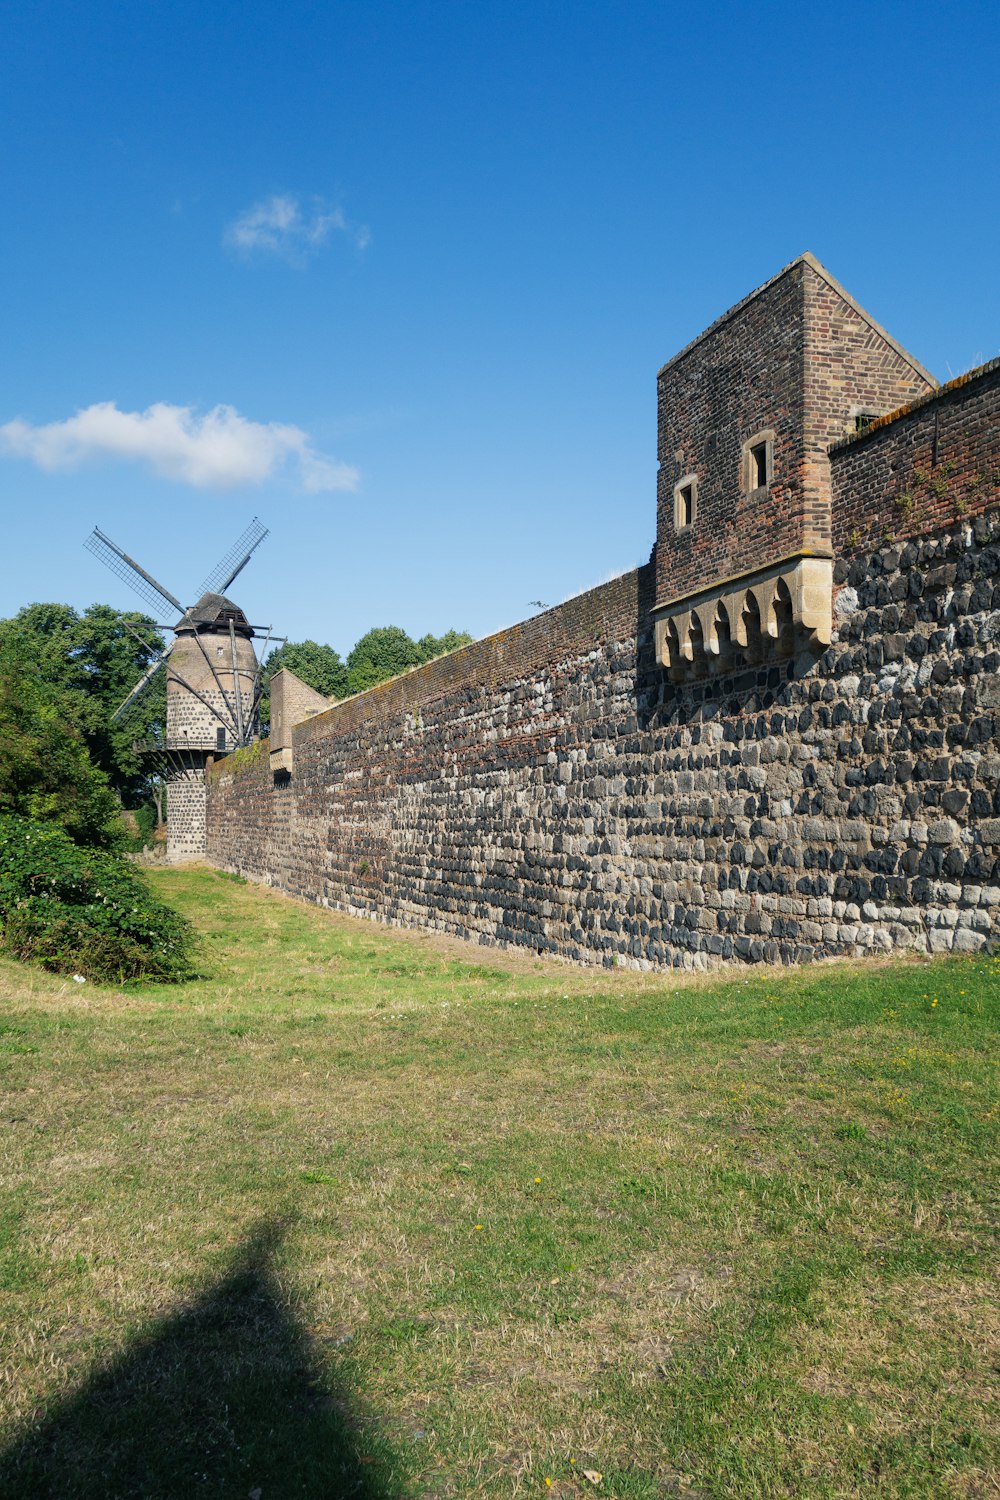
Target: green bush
145 816
84 911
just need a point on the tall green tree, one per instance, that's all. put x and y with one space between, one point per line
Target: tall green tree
383 652
388 650
92 661
318 666
430 646
46 771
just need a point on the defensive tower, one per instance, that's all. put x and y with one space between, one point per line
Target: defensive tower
747 413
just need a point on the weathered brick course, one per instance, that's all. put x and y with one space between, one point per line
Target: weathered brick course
926 465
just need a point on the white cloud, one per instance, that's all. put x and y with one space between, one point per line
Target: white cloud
220 450
283 226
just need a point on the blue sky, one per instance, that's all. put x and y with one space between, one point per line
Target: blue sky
397 278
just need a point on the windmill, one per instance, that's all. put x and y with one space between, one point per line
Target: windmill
213 680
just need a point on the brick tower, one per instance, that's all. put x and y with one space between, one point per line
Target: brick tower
747 414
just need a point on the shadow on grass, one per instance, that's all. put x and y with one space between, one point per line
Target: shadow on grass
221 1399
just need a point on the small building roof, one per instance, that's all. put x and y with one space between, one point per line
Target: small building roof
215 612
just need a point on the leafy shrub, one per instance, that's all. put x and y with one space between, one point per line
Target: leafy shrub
84 911
140 828
145 816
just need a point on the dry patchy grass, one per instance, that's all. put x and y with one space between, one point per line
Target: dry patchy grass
364 1213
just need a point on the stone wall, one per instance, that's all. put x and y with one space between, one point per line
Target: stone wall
186 814
549 787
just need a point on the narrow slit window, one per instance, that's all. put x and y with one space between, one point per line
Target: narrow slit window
220 738
685 502
758 466
758 462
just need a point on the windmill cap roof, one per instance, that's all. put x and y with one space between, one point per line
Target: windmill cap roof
215 611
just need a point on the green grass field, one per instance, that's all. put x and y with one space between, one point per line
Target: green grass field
364 1213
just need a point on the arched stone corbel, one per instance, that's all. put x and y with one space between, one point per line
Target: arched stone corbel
685 642
811 586
707 618
734 604
666 643
765 594
793 599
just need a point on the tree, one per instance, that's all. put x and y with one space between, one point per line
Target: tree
93 661
383 652
46 772
318 666
430 646
114 650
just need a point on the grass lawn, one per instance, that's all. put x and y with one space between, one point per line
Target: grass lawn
371 1214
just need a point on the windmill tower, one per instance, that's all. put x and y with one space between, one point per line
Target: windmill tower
213 681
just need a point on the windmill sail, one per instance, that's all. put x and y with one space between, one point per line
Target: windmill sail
142 684
235 560
127 569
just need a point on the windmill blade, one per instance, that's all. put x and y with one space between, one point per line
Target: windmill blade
126 568
142 684
236 559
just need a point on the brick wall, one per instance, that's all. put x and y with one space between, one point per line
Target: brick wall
933 463
292 700
797 357
850 367
743 375
550 787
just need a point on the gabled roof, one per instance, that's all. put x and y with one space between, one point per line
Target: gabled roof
806 259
